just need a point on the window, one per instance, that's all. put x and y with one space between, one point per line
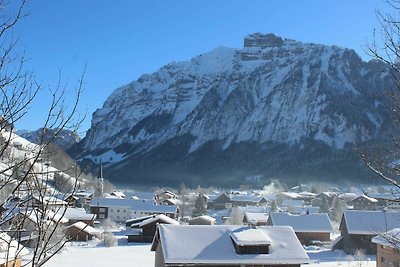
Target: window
102 216
118 210
102 210
111 210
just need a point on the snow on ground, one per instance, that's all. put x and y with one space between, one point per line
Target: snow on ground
135 254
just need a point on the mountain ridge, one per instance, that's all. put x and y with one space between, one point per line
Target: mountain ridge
272 92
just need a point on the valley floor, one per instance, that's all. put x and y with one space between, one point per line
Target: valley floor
134 254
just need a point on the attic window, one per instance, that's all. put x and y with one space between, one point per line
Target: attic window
250 241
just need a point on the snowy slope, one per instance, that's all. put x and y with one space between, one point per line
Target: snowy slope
273 90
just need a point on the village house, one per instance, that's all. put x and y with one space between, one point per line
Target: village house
227 245
358 227
220 202
80 231
85 197
364 202
144 231
247 200
164 195
121 210
387 248
202 220
308 227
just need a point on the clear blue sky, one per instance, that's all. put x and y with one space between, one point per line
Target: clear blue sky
120 40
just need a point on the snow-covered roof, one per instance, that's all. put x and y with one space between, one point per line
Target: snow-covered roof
56 217
370 199
370 222
204 218
77 214
212 244
390 238
292 195
158 218
250 236
315 223
256 216
10 249
85 228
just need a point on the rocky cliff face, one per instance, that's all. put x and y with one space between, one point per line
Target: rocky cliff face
276 107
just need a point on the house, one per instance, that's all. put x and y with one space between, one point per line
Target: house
57 218
144 231
164 195
364 202
85 197
358 227
255 218
11 252
387 248
324 197
202 220
227 245
121 210
308 227
80 231
222 201
280 197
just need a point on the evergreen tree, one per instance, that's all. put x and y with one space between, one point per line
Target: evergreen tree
200 206
274 207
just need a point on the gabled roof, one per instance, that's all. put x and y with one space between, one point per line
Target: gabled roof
367 198
212 244
316 223
205 218
77 214
158 218
390 238
84 228
364 222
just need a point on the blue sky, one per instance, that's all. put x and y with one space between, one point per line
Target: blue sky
120 40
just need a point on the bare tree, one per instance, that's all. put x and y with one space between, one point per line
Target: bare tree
26 177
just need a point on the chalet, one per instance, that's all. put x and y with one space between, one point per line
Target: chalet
255 218
121 210
202 220
308 227
80 231
358 227
71 199
364 202
57 218
227 245
280 197
160 197
387 248
11 252
85 197
222 201
144 231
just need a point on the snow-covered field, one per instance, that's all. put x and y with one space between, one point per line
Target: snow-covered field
134 254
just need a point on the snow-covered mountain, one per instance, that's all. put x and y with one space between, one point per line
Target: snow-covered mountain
64 138
276 107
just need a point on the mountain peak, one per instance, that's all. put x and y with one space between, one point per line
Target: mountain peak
262 40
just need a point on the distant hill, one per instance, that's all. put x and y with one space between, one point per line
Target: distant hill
65 138
276 108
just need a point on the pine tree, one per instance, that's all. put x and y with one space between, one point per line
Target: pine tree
274 207
200 206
